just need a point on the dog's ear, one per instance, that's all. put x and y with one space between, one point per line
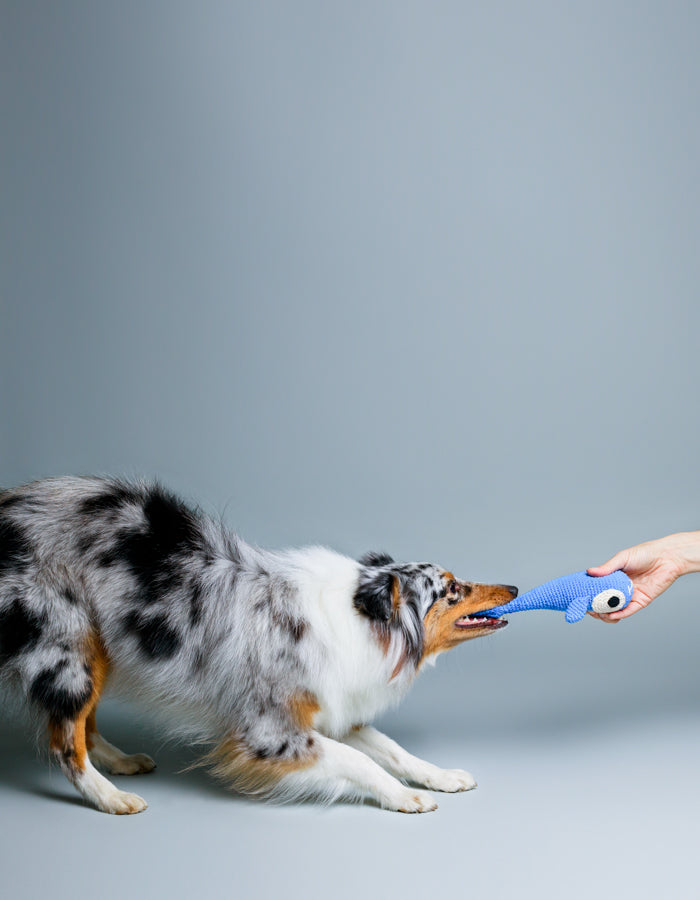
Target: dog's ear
375 559
376 595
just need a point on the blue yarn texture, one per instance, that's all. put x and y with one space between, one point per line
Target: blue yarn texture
573 594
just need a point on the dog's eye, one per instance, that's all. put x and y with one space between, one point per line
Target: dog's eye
607 601
452 589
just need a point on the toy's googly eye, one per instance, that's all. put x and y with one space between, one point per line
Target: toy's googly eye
608 601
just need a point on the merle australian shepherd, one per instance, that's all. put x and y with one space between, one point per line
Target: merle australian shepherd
279 660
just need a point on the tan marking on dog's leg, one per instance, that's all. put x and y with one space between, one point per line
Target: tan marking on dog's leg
99 667
235 764
303 708
91 727
68 742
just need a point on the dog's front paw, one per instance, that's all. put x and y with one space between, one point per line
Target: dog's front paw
449 781
411 801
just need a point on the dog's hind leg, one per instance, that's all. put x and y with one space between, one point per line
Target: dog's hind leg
69 693
392 757
111 758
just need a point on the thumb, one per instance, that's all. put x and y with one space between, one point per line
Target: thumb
619 561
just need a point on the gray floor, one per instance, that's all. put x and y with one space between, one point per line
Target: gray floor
602 805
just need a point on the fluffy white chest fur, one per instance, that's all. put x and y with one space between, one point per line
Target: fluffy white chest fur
352 680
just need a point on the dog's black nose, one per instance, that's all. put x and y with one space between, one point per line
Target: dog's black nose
513 590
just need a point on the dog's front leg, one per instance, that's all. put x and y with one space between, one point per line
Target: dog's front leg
399 762
344 771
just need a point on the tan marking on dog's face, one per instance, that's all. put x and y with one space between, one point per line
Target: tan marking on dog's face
441 631
303 708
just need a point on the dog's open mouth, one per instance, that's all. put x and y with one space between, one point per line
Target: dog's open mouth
481 622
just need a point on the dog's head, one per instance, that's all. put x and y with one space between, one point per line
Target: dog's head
423 607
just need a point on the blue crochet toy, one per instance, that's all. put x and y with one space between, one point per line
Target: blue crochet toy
577 594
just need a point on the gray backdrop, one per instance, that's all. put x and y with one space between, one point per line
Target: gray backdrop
411 276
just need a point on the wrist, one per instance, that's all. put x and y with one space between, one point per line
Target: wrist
685 549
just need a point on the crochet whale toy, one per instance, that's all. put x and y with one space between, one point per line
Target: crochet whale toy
575 594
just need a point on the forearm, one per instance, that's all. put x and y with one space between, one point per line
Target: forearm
685 548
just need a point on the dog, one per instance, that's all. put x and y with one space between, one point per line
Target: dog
279 660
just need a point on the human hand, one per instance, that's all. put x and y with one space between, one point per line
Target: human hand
652 567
